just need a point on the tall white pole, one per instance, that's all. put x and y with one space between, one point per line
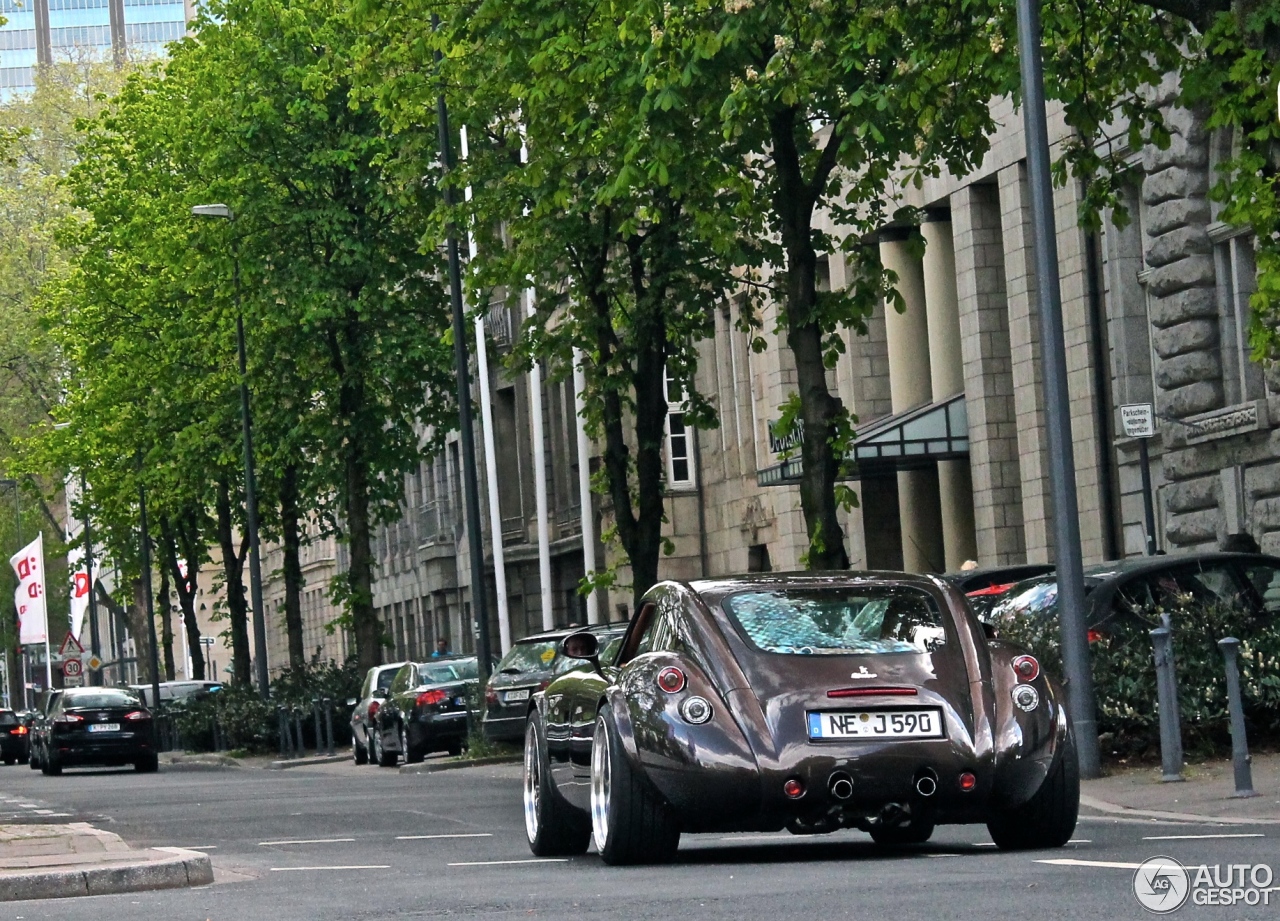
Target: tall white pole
584 483
539 463
490 451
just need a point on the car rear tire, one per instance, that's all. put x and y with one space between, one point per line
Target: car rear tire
33 760
380 753
915 832
358 752
411 755
1048 818
147 765
630 821
553 827
50 768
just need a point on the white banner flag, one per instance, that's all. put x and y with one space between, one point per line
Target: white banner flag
28 563
81 585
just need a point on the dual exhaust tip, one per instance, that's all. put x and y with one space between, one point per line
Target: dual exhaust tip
840 784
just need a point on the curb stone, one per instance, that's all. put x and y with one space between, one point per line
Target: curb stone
180 869
1103 806
432 767
305 762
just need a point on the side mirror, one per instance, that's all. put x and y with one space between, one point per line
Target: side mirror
581 645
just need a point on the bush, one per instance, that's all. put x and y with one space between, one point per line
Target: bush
247 722
1124 675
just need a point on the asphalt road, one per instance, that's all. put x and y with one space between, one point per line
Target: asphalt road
344 842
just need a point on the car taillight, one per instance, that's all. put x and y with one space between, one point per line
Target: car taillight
1095 635
138 715
373 708
989 590
69 719
671 679
431 698
18 731
490 696
1027 667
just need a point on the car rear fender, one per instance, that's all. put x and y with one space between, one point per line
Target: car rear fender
1028 743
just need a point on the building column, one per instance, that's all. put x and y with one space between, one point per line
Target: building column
946 373
1024 348
984 344
910 385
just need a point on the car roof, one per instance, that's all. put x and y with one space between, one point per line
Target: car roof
559 634
969 580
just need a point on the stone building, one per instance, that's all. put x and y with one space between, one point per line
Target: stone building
951 445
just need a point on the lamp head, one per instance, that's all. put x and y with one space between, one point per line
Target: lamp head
219 211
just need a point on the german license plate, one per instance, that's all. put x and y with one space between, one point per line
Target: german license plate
875 724
513 696
104 727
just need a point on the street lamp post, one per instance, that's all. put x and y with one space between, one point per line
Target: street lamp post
1062 471
223 212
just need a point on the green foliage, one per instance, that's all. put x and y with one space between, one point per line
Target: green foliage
246 722
1125 678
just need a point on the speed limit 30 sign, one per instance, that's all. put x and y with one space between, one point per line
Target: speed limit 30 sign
72 668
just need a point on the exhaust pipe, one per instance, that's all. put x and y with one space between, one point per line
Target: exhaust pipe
927 782
841 785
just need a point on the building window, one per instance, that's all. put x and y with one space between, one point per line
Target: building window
680 473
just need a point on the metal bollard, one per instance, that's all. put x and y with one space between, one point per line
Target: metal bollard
1240 759
1167 692
315 715
286 742
328 725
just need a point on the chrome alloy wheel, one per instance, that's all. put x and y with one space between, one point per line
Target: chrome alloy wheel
601 785
404 743
532 782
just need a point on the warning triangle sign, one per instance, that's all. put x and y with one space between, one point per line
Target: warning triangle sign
69 644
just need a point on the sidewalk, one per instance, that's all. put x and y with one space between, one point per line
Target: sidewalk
60 861
1207 792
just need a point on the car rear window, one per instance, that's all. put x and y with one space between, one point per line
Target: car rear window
1035 600
861 620
105 698
441 672
386 677
530 657
8 718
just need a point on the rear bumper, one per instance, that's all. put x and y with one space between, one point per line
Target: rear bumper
505 727
437 731
101 752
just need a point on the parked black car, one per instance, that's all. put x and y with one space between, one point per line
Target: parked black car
986 587
526 669
14 738
377 681
425 710
97 726
1127 591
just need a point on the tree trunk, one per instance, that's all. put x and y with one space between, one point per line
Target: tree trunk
821 412
364 620
292 544
185 581
140 630
165 610
233 567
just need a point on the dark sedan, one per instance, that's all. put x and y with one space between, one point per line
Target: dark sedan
1130 592
98 726
427 710
808 702
14 737
526 669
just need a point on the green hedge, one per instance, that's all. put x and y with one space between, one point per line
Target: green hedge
1125 678
247 722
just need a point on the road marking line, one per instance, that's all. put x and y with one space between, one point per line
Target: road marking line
483 834
1199 837
200 847
1105 864
1080 841
494 863
305 841
371 866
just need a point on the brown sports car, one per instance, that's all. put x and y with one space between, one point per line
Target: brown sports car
808 702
